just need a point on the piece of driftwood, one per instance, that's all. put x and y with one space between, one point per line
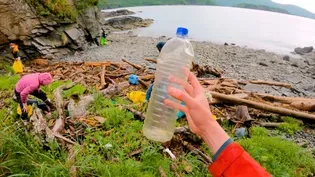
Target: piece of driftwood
60 122
162 172
261 106
196 151
303 104
103 83
145 85
134 153
239 95
174 169
241 115
133 65
106 63
147 77
138 115
270 124
203 70
271 83
151 60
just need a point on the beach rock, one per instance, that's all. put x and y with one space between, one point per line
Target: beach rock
304 50
116 13
298 62
263 64
311 70
128 22
226 44
286 58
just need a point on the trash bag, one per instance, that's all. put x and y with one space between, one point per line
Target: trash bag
29 110
136 96
103 41
17 66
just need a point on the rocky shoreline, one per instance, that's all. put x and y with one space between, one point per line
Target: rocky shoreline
237 62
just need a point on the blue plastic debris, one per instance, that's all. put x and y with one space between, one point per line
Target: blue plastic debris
133 79
240 132
148 94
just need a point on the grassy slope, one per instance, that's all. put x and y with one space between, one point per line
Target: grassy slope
130 3
292 9
22 155
262 7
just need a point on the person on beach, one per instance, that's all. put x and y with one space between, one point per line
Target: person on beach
15 50
17 65
30 85
230 159
160 45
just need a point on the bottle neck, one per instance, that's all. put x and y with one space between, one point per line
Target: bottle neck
181 36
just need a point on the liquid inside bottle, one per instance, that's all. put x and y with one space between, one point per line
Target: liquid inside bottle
176 54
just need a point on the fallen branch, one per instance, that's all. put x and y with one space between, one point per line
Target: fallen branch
133 65
144 83
147 77
262 82
162 172
151 60
107 63
134 153
196 151
270 124
138 115
261 106
103 83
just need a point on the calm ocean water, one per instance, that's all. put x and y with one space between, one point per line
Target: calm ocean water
275 32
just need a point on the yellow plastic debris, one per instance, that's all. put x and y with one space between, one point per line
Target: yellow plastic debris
214 117
136 96
29 111
17 66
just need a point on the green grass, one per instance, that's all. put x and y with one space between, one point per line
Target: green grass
278 156
105 151
290 126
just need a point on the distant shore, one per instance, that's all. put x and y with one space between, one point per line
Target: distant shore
237 62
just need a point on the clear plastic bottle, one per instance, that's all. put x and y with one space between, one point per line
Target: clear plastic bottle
177 53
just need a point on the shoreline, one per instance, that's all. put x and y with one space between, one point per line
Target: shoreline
236 62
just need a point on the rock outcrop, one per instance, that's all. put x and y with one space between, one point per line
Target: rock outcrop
126 23
304 50
117 13
47 36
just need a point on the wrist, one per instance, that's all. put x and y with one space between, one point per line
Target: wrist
214 136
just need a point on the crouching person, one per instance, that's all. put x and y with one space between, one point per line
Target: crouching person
30 85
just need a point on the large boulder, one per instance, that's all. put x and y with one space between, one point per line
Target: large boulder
303 50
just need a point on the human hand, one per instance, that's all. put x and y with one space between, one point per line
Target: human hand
197 110
24 107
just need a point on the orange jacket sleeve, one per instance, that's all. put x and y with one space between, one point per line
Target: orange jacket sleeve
234 161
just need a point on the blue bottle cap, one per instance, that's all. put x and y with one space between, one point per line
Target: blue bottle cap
182 31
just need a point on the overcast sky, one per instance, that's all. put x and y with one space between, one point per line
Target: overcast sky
306 4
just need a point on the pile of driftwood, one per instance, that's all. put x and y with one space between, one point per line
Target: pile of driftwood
229 100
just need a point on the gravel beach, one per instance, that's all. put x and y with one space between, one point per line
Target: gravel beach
237 62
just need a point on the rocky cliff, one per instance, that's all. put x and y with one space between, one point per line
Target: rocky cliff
49 30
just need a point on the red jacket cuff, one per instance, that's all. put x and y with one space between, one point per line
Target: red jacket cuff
225 159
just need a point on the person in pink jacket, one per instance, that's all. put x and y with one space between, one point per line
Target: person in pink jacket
30 85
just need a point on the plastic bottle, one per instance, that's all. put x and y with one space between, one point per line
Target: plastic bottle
177 53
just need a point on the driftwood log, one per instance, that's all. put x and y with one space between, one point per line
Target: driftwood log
261 106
